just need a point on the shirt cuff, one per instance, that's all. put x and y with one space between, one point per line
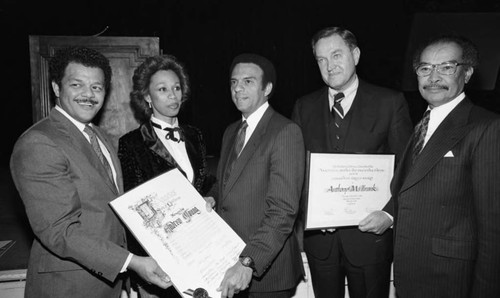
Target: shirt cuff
127 261
391 217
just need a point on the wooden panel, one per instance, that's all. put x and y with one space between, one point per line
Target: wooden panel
124 53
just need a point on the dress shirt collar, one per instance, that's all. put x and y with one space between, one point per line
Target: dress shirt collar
349 94
78 124
438 114
254 119
164 124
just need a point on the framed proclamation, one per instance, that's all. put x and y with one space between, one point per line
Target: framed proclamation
193 246
342 189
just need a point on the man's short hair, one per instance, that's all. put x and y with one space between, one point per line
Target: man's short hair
470 54
82 55
268 71
345 34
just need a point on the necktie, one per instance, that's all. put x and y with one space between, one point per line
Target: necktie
171 133
420 132
337 111
97 149
238 146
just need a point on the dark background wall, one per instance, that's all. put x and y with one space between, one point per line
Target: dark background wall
206 35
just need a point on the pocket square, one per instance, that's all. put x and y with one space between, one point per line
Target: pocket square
449 154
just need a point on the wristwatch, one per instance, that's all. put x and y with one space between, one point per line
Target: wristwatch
247 262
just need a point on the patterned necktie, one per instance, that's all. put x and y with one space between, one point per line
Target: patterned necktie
97 149
420 132
235 152
337 110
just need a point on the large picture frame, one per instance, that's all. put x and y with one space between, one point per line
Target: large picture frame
342 189
168 217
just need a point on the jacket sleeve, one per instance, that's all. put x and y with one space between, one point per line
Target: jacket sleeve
401 127
485 168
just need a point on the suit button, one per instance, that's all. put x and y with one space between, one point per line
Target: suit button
223 209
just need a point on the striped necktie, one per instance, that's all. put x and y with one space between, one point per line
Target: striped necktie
236 150
420 132
97 149
337 110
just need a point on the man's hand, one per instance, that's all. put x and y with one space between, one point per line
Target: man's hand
376 222
210 203
236 279
148 269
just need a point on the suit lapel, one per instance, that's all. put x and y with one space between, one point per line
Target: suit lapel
155 145
326 120
249 150
227 145
364 115
447 135
319 126
194 156
84 154
114 160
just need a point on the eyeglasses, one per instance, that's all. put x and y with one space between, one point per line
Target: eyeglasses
445 68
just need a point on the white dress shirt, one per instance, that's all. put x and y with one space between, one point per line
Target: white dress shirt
438 114
176 149
349 95
253 120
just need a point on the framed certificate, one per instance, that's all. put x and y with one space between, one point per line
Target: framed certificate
342 189
169 219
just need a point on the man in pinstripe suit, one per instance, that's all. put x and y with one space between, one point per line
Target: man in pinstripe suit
259 193
446 195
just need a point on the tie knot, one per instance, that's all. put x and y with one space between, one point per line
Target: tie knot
89 130
338 97
171 134
244 125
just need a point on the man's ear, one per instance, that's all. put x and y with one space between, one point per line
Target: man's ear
468 74
55 87
269 88
356 53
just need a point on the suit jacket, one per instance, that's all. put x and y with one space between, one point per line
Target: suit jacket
143 157
79 245
447 224
260 200
380 123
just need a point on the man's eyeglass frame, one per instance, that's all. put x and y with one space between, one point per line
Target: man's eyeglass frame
440 68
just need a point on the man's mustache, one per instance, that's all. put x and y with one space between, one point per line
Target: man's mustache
436 86
87 101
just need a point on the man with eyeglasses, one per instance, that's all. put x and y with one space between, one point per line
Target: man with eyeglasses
446 189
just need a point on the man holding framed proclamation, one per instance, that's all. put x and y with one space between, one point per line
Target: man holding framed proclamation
176 227
350 115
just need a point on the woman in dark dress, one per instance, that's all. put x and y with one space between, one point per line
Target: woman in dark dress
160 87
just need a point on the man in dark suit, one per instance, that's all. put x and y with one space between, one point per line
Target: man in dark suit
260 176
66 172
446 190
350 116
